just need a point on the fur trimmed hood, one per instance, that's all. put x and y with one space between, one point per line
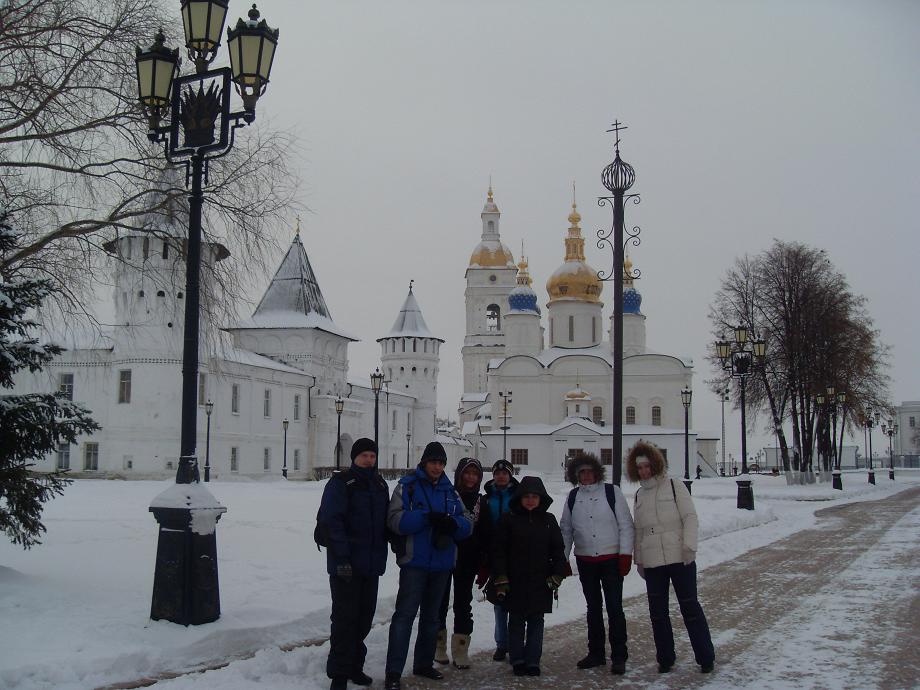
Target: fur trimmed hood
655 458
584 460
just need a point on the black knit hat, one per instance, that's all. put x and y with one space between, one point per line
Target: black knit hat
363 445
434 451
503 465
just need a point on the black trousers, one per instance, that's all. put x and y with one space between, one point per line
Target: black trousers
462 579
602 584
353 606
657 584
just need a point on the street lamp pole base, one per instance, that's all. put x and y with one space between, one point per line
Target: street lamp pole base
838 480
688 483
872 476
745 494
284 472
891 475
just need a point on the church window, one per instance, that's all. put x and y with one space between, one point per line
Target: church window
491 226
408 420
91 457
235 398
267 403
414 345
266 459
165 249
597 415
552 338
571 328
234 459
297 458
296 407
630 415
393 426
127 245
124 386
577 408
63 456
493 317
161 293
65 385
413 370
426 372
424 346
146 248
403 344
656 416
593 329
519 456
202 388
606 456
912 422
492 278
390 373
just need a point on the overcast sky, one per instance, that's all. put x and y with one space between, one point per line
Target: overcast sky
747 121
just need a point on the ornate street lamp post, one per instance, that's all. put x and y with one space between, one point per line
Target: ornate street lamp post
284 425
339 408
725 396
685 396
617 178
870 422
831 402
408 439
200 127
208 409
506 400
376 385
890 430
741 362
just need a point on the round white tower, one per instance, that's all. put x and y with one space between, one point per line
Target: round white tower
523 332
633 318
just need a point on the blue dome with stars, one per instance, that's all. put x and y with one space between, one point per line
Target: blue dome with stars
523 298
632 301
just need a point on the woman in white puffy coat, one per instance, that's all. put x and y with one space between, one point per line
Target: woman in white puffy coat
665 554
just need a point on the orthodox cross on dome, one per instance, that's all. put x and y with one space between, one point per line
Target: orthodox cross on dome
490 187
616 127
297 231
410 284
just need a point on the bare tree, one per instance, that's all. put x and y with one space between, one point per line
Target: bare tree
76 168
818 334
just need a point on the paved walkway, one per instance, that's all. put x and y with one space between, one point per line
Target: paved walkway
831 607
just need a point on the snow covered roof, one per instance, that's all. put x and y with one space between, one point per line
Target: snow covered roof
550 355
475 397
472 427
252 359
549 429
452 441
292 319
410 323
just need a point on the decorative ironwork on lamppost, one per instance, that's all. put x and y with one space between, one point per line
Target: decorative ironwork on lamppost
890 430
506 401
617 178
197 106
408 440
376 385
872 418
339 408
208 409
725 397
686 395
284 425
742 359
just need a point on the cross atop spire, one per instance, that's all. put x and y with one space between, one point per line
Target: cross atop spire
297 231
617 127
490 186
410 284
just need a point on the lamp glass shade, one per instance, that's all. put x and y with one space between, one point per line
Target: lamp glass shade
819 398
156 68
285 423
724 349
686 395
209 407
339 405
376 381
203 21
252 50
760 349
878 416
741 335
830 391
841 397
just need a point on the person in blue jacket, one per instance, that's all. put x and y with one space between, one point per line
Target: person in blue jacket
429 514
352 516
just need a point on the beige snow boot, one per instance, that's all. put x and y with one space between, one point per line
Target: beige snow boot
440 652
459 649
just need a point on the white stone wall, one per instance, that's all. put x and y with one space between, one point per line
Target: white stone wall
587 325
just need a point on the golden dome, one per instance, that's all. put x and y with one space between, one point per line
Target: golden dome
577 394
490 253
574 280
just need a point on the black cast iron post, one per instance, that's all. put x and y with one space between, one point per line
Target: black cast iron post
339 407
685 396
870 422
890 430
506 400
376 385
208 408
408 439
284 425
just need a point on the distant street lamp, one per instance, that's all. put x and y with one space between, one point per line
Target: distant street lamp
871 419
376 385
408 439
741 362
685 396
890 430
284 425
506 400
208 408
725 396
339 408
830 402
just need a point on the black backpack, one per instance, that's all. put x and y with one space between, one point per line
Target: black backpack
321 532
608 490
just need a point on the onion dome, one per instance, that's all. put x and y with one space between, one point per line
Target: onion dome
574 280
490 252
632 300
522 298
577 394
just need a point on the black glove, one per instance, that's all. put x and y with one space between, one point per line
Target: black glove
344 571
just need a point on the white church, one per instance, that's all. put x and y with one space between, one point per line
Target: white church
551 385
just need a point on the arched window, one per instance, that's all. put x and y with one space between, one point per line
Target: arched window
597 414
165 249
146 248
394 420
656 416
491 226
630 415
493 317
593 329
404 344
571 328
414 345
425 345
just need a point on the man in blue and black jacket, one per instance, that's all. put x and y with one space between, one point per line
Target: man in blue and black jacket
352 516
429 515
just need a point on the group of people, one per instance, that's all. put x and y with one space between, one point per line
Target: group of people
450 538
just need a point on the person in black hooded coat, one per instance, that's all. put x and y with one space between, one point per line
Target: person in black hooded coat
529 562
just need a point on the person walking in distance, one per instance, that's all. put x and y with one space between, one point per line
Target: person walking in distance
597 523
352 516
426 510
665 555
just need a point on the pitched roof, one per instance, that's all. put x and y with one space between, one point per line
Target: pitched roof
410 323
294 287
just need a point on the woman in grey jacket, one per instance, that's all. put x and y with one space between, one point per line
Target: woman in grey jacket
665 554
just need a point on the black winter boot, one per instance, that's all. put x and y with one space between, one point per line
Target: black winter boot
391 682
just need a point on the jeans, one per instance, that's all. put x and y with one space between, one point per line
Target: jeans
525 652
683 577
501 626
462 579
353 606
602 584
418 589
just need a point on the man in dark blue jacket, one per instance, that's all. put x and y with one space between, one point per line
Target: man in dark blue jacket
353 516
427 511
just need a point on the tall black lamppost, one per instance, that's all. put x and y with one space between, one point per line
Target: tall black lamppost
831 403
506 400
408 439
208 409
339 407
890 430
617 178
197 106
741 362
725 396
870 422
376 385
685 396
284 425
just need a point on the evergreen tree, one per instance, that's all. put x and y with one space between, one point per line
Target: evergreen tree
31 425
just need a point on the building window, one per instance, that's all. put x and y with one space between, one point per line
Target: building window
425 346
394 421
597 415
414 345
577 408
519 456
267 459
656 416
165 249
403 344
552 338
235 398
63 456
296 407
493 318
409 420
297 458
912 422
571 328
267 403
234 459
202 388
65 385
606 456
124 386
593 329
91 457
127 462
630 415
127 245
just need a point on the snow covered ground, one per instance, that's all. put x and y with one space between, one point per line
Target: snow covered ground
74 610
